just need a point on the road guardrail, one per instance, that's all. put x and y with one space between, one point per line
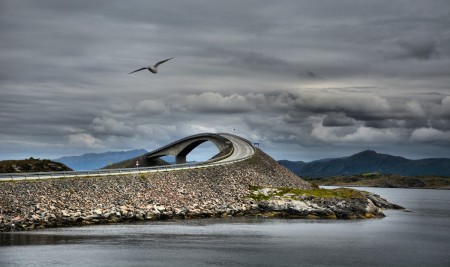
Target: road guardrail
106 172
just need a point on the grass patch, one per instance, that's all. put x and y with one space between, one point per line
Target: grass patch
295 193
371 175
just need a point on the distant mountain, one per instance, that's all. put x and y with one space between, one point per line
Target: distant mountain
93 161
369 162
293 166
31 165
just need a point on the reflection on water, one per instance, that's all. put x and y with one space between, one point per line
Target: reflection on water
27 239
416 238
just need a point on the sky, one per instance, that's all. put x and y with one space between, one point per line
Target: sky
305 79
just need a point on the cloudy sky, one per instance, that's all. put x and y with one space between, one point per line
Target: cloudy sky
305 79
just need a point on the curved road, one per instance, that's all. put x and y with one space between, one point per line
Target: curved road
242 149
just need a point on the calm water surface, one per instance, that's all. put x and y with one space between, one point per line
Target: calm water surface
420 237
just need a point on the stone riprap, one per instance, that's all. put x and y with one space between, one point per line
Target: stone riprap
215 191
209 192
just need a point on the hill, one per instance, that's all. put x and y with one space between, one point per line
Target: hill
31 165
293 166
93 161
369 161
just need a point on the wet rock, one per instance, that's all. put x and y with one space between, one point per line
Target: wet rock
380 202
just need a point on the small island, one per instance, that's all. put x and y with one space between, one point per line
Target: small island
258 186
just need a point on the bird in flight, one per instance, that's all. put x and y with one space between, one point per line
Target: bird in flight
154 68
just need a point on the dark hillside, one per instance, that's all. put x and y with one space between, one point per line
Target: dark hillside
370 162
31 165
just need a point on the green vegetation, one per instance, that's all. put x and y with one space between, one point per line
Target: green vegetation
371 175
295 193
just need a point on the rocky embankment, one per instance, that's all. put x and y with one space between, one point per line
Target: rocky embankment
197 193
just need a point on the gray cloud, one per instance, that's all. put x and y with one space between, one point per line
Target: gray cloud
211 103
420 50
430 135
337 120
312 75
302 77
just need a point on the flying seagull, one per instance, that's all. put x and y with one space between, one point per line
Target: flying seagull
154 68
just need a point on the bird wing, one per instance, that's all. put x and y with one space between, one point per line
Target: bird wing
138 70
161 62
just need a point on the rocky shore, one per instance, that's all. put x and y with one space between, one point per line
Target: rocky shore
232 190
341 203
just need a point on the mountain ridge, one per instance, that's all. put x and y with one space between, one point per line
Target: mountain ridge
369 161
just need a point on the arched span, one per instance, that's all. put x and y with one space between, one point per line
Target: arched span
181 148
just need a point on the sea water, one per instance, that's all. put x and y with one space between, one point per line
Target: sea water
419 236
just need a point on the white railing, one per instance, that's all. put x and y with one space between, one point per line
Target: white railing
69 174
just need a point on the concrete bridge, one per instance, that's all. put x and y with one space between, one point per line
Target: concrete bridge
232 148
181 148
227 144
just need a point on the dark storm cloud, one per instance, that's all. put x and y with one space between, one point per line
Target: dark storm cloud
301 77
420 49
333 109
257 60
250 61
337 120
371 110
312 75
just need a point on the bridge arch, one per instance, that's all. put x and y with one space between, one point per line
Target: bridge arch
181 148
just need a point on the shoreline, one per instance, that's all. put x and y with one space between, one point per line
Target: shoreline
386 181
359 186
261 202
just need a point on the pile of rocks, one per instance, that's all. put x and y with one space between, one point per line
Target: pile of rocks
216 191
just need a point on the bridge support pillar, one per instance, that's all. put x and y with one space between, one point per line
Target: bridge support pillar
180 159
